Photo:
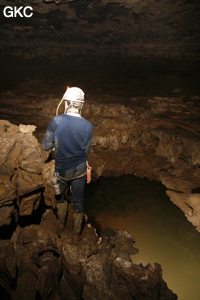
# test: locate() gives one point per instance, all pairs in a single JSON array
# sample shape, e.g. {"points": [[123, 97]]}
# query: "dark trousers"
{"points": [[76, 179]]}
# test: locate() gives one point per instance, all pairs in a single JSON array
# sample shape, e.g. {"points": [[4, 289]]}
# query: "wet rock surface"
{"points": [[21, 171], [40, 263]]}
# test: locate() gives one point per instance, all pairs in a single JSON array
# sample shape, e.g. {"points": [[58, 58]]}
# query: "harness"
{"points": [[87, 173], [69, 179]]}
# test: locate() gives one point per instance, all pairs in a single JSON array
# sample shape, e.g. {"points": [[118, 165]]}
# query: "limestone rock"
{"points": [[27, 128], [189, 204], [39, 255], [43, 264], [21, 172]]}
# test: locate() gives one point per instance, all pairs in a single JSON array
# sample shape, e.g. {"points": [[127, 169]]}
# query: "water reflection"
{"points": [[161, 230]]}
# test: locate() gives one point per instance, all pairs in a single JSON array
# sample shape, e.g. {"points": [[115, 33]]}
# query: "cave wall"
{"points": [[147, 28], [155, 142]]}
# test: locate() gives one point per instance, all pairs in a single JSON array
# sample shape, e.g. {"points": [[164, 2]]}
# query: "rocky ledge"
{"points": [[38, 263]]}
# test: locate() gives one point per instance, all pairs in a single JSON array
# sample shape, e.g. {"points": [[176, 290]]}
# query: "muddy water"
{"points": [[162, 232]]}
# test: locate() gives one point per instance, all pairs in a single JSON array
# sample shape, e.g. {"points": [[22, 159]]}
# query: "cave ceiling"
{"points": [[164, 28]]}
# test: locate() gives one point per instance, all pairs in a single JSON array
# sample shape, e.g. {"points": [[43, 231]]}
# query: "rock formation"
{"points": [[153, 137], [37, 264], [39, 261], [150, 138]]}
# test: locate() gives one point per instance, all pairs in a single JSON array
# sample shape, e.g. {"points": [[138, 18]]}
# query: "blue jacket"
{"points": [[71, 137]]}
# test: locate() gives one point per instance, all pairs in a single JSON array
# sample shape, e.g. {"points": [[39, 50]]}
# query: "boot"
{"points": [[62, 213], [78, 219]]}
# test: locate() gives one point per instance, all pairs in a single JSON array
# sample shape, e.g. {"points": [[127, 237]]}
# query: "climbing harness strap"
{"points": [[68, 179], [57, 177]]}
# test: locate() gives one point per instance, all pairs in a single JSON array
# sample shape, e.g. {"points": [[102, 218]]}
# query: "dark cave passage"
{"points": [[161, 231], [102, 78]]}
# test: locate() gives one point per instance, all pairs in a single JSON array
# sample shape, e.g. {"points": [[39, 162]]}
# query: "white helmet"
{"points": [[74, 95]]}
